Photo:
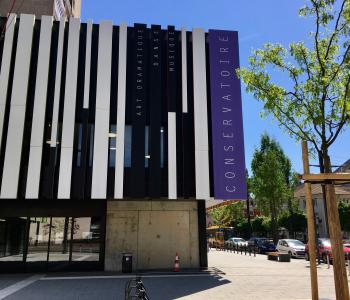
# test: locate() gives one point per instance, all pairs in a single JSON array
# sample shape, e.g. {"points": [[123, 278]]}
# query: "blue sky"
{"points": [[257, 22]]}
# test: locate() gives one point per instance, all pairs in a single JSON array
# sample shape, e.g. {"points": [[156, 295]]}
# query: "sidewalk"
{"points": [[230, 276]]}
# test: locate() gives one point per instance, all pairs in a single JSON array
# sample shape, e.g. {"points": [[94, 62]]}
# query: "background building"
{"points": [[107, 145], [342, 194], [56, 8]]}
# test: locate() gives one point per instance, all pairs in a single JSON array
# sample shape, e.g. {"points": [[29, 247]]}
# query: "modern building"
{"points": [[56, 8], [110, 139]]}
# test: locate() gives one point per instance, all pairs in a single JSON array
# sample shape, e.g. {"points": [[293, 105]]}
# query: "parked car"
{"points": [[236, 241], [294, 247], [262, 244], [324, 247]]}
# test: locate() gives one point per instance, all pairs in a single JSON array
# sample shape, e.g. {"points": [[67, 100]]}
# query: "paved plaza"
{"points": [[230, 276]]}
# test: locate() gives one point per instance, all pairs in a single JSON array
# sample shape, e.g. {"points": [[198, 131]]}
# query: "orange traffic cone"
{"points": [[177, 263]]}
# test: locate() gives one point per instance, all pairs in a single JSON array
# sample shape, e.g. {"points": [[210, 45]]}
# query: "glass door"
{"points": [[60, 245], [38, 240]]}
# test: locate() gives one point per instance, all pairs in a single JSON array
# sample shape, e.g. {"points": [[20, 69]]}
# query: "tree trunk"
{"points": [[339, 270], [322, 170]]}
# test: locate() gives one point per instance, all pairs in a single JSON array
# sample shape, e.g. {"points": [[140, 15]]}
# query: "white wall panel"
{"points": [[13, 151], [87, 64], [184, 69], [5, 68], [56, 101], [172, 179], [38, 124], [119, 161], [200, 115], [65, 173], [103, 92]]}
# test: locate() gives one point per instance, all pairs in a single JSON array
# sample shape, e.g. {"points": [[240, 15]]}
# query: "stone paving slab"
{"points": [[232, 276]]}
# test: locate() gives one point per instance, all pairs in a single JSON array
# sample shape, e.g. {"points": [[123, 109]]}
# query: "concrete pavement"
{"points": [[231, 276]]}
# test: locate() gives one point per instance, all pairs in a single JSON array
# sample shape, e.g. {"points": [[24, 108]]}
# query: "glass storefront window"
{"points": [[12, 235], [86, 239], [38, 240], [60, 237], [50, 239]]}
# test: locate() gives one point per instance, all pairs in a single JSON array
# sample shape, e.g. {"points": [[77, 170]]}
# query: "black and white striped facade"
{"points": [[96, 111]]}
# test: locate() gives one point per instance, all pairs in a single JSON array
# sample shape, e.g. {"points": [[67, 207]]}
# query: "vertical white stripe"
{"points": [[56, 101], [87, 64], [184, 69], [172, 179], [103, 92], [65, 174], [5, 68], [200, 115], [13, 152], [119, 160], [38, 124]]}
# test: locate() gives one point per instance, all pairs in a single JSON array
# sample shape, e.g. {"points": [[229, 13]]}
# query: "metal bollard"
{"points": [[241, 249], [328, 263], [349, 262], [250, 251], [254, 251], [245, 250]]}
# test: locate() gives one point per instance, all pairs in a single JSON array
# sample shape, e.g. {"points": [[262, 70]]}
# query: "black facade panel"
{"points": [[202, 234], [81, 124], [48, 154], [210, 152], [155, 108], [172, 68], [113, 113], [164, 116], [188, 130], [49, 184], [139, 104], [179, 120], [91, 111]]}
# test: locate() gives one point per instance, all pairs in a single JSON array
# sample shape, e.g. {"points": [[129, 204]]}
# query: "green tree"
{"points": [[315, 105], [257, 226], [219, 217], [344, 215], [294, 221], [261, 226], [235, 210], [269, 183], [227, 215], [243, 228]]}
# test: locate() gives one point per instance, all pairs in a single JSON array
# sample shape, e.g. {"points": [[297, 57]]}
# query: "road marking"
{"points": [[18, 286], [126, 276]]}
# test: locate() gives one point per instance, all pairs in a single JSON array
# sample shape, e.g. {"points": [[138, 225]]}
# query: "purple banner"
{"points": [[226, 117]]}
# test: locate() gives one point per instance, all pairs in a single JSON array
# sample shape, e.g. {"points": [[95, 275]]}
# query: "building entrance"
{"points": [[50, 243]]}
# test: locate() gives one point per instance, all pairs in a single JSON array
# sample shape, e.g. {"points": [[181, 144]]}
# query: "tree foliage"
{"points": [[315, 104], [294, 220], [344, 215], [271, 171], [262, 226], [227, 215], [243, 228]]}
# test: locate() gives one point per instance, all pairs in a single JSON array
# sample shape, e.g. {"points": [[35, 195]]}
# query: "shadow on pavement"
{"points": [[158, 288]]}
